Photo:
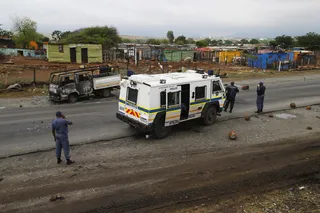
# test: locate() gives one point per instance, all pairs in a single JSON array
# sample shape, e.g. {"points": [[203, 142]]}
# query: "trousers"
{"points": [[260, 101], [226, 105], [62, 142]]}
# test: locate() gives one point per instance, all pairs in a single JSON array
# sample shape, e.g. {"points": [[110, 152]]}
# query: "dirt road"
{"points": [[194, 170]]}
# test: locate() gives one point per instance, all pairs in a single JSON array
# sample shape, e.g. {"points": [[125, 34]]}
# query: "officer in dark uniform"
{"points": [[232, 91], [60, 134]]}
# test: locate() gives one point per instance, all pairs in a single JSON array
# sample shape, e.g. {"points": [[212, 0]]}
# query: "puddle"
{"points": [[285, 116]]}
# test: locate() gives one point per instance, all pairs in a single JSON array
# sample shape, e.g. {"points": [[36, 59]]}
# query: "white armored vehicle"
{"points": [[154, 103]]}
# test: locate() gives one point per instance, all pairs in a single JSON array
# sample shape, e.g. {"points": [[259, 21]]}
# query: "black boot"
{"points": [[69, 162], [59, 160]]}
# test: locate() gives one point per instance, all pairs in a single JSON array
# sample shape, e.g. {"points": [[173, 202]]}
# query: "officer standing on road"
{"points": [[261, 89], [232, 91], [60, 134]]}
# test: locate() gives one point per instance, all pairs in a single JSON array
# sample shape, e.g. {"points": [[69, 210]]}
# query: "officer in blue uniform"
{"points": [[60, 134]]}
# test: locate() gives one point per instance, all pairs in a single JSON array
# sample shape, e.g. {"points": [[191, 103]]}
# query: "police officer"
{"points": [[232, 91], [60, 135], [261, 89]]}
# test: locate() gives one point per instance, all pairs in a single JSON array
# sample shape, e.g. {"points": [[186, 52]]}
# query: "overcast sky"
{"points": [[241, 18]]}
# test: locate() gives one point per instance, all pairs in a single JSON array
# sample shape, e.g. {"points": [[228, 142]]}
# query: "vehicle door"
{"points": [[173, 105], [218, 92], [84, 83], [67, 84]]}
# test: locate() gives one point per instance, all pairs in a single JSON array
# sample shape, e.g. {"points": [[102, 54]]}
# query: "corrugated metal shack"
{"points": [[271, 60], [23, 52]]}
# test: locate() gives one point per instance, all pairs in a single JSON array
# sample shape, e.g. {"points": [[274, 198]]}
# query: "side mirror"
{"points": [[193, 95]]}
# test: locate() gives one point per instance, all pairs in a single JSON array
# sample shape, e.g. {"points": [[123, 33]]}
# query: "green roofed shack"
{"points": [[75, 53]]}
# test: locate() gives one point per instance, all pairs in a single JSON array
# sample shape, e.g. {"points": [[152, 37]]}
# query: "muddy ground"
{"points": [[22, 70], [273, 166]]}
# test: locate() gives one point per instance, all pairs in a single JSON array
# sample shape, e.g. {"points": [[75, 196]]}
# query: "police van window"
{"points": [[132, 95], [200, 92], [173, 99], [216, 86], [163, 99]]}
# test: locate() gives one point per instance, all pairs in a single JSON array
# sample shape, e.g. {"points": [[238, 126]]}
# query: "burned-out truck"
{"points": [[73, 84]]}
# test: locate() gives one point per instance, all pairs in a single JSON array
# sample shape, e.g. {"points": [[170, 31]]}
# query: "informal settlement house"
{"points": [[75, 53], [271, 60]]}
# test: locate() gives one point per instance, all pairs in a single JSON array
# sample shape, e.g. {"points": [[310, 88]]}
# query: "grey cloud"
{"points": [[188, 17]]}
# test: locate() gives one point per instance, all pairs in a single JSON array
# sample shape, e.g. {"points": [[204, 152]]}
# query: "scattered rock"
{"points": [[318, 117], [20, 106], [245, 87], [56, 197], [293, 105], [195, 208], [309, 128], [308, 108], [15, 87], [302, 188], [232, 135], [271, 116], [1, 179], [247, 118], [42, 122]]}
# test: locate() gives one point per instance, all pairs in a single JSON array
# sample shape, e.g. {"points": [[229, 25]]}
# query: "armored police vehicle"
{"points": [[154, 103]]}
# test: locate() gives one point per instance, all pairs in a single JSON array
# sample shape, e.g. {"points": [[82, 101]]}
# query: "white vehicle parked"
{"points": [[154, 103]]}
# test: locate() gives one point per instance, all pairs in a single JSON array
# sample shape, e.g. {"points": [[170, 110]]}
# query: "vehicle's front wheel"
{"points": [[72, 98], [159, 129], [210, 116]]}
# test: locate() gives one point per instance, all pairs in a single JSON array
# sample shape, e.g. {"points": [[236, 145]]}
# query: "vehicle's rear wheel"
{"points": [[210, 116], [106, 93], [72, 98], [159, 129]]}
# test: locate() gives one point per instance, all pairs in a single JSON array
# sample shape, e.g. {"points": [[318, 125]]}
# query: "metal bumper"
{"points": [[57, 97], [134, 123]]}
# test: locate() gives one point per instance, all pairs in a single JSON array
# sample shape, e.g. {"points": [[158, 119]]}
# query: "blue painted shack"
{"points": [[23, 52], [271, 60]]}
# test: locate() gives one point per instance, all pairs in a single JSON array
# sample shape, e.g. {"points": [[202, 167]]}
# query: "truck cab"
{"points": [[154, 103]]}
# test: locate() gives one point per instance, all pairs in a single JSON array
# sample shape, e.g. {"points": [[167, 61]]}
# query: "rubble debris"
{"points": [[271, 116], [15, 87], [308, 108], [56, 197], [247, 118], [1, 179], [318, 117], [293, 105], [309, 128], [245, 87], [232, 135]]}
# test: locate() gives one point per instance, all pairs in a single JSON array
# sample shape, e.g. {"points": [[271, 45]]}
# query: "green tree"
{"points": [[164, 41], [56, 35], [181, 40], [228, 42], [25, 30], [284, 41], [65, 34], [244, 41], [170, 36], [273, 43], [107, 36], [45, 39], [254, 41], [310, 40], [202, 43], [153, 41], [214, 43], [190, 41]]}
